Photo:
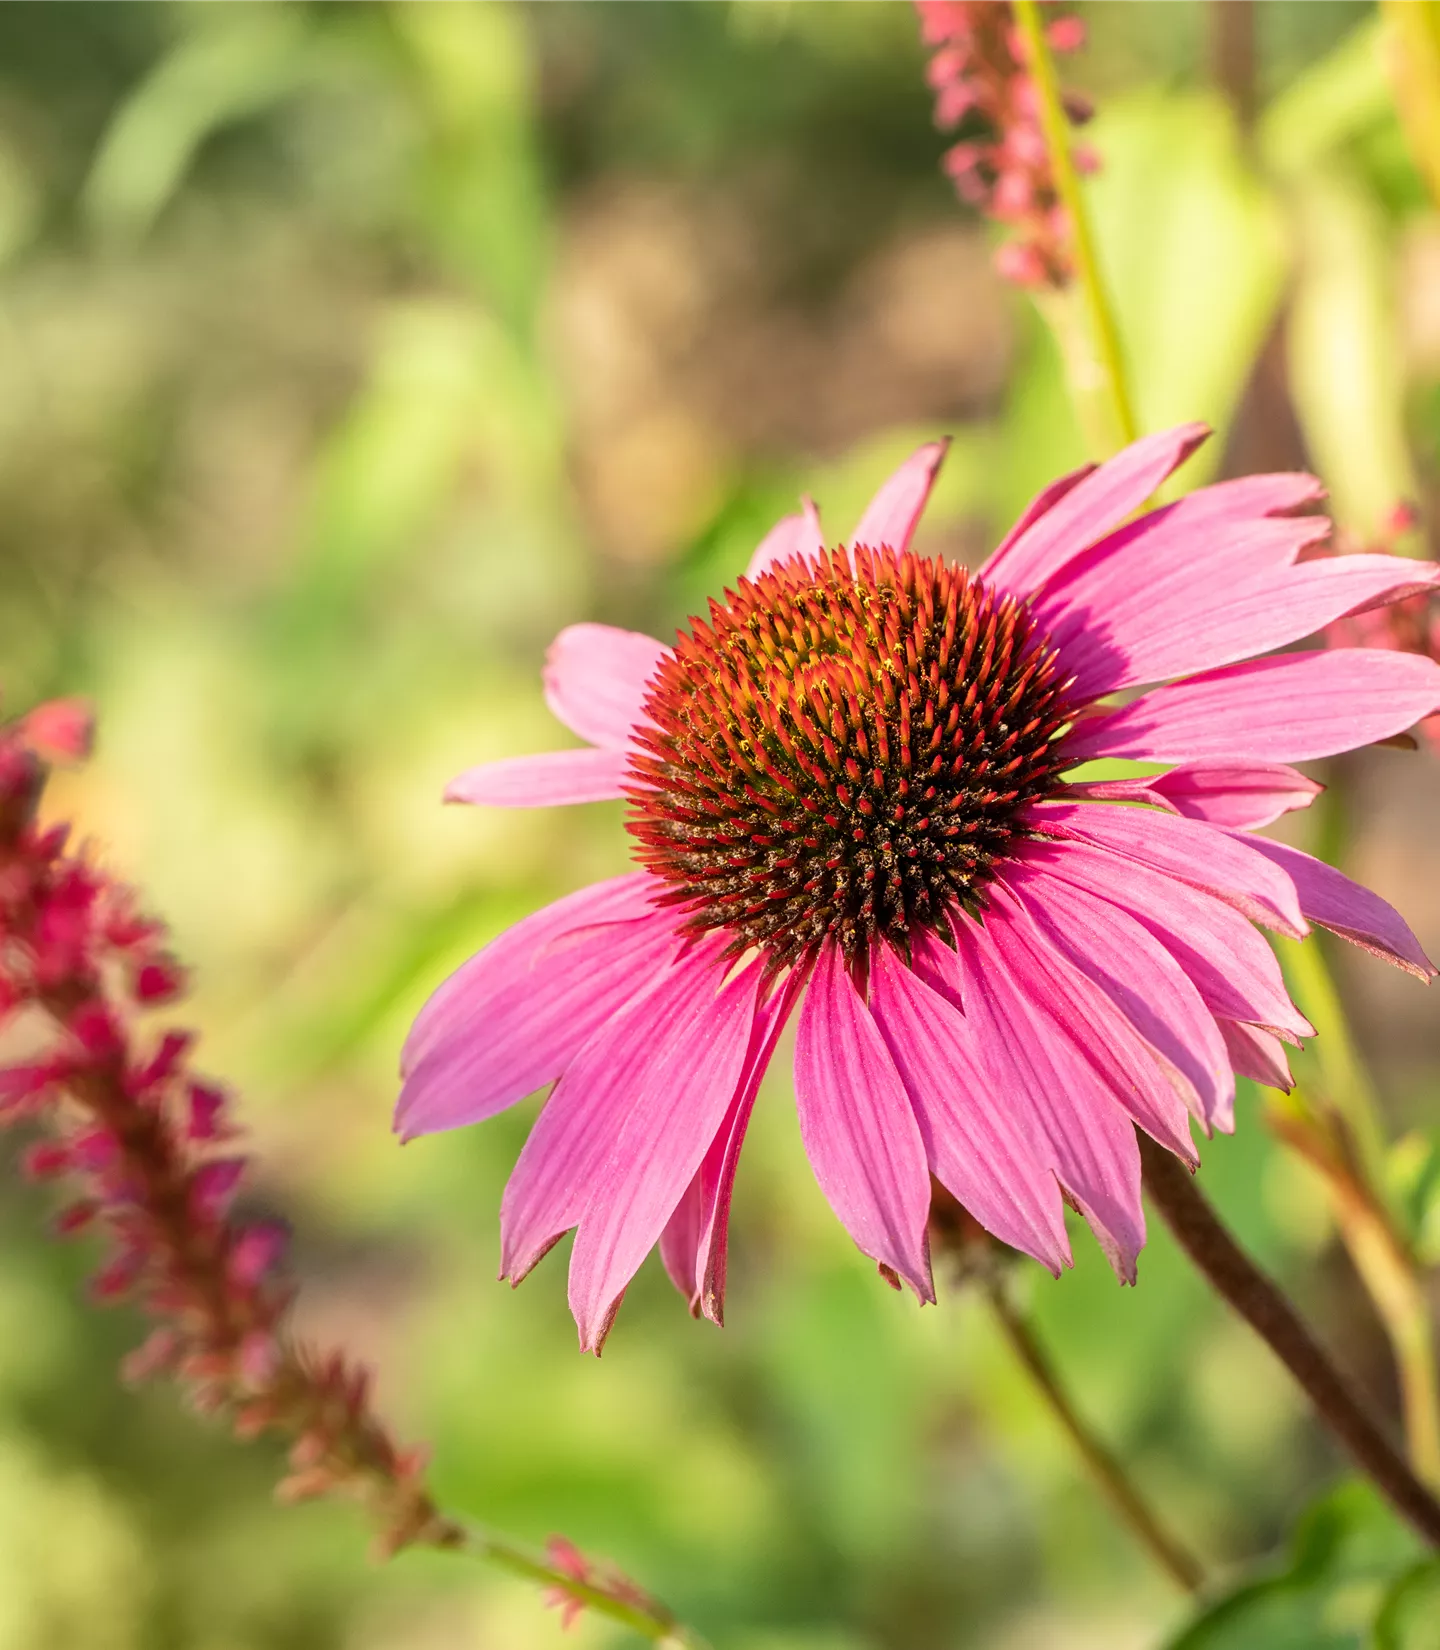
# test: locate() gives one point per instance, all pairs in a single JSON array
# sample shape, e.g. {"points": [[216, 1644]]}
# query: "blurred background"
{"points": [[349, 351]]}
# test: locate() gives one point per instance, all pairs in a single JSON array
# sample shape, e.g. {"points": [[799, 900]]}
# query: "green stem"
{"points": [[1092, 353], [1413, 50], [1183, 1569]]}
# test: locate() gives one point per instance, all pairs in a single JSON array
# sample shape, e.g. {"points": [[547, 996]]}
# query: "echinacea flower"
{"points": [[848, 792]]}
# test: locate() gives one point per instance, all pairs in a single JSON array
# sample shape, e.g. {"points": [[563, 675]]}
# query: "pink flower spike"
{"points": [[848, 797], [61, 730]]}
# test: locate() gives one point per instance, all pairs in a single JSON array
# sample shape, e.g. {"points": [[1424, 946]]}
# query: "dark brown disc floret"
{"points": [[842, 750]]}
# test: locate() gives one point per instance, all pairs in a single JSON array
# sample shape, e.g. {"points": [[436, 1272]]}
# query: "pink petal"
{"points": [[453, 1005], [792, 536], [975, 1146], [858, 1128], [544, 781], [1256, 1054], [576, 1131], [1089, 510], [596, 678], [1073, 1123], [1083, 1016], [1238, 794], [1186, 849], [679, 1103], [1141, 978], [1347, 908], [1231, 503], [892, 515], [1041, 505], [1286, 709], [695, 1242], [1244, 795], [1226, 960], [511, 1022], [1127, 620]]}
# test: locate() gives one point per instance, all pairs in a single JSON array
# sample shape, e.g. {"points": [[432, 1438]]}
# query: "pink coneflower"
{"points": [[848, 794], [1001, 165]]}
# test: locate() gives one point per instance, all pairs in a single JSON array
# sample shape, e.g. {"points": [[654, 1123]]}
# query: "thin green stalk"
{"points": [[647, 1618], [1093, 358], [1413, 51]]}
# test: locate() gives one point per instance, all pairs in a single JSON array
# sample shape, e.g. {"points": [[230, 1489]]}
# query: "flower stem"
{"points": [[1093, 359], [1255, 1297], [1384, 1261], [1178, 1564], [1413, 52]]}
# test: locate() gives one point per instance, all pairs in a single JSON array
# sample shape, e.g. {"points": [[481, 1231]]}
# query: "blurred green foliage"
{"points": [[351, 350]]}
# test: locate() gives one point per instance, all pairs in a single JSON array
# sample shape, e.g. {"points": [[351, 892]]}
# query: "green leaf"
{"points": [[1346, 1557]]}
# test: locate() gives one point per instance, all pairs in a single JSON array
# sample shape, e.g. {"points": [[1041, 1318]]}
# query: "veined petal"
{"points": [[1075, 1126], [1188, 850], [1089, 510], [695, 1242], [1080, 1014], [1126, 621], [545, 781], [1140, 977], [510, 1021], [1285, 709], [975, 1146], [791, 536], [1226, 960], [687, 1085], [1347, 908], [858, 1127], [1257, 1054], [1243, 795], [577, 1128], [1041, 505], [596, 678], [892, 515]]}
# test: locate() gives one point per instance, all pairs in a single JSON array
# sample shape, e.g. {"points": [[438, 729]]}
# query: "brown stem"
{"points": [[1178, 1564], [1234, 1275]]}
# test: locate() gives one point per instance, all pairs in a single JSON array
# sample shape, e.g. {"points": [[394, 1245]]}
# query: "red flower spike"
{"points": [[1002, 165]]}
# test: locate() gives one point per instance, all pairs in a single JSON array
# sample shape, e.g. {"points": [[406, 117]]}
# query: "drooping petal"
{"points": [[695, 1242], [1124, 621], [1243, 795], [1089, 510], [513, 1017], [975, 1146], [516, 950], [1347, 908], [791, 536], [678, 1105], [1145, 983], [1188, 850], [858, 1127], [891, 516], [1085, 1018], [1257, 1054], [1226, 960], [545, 781], [1074, 1125], [579, 1124], [1290, 708], [596, 678], [1232, 503]]}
